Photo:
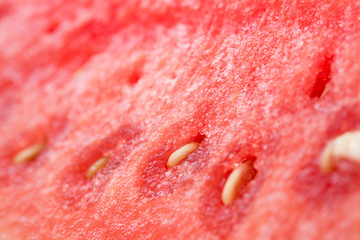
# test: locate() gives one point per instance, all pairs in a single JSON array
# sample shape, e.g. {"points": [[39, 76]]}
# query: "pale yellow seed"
{"points": [[96, 166], [180, 154], [346, 146], [29, 153], [237, 179], [326, 90]]}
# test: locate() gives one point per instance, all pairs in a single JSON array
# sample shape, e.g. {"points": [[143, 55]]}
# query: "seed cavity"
{"points": [[96, 166], [237, 179], [320, 87], [346, 146], [28, 154], [180, 154]]}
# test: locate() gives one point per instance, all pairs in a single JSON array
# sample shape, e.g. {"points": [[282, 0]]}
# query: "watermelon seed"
{"points": [[326, 90], [29, 153], [346, 146], [180, 154], [96, 166], [237, 179]]}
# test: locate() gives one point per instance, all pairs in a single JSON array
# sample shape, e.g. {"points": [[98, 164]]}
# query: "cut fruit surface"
{"points": [[152, 111]]}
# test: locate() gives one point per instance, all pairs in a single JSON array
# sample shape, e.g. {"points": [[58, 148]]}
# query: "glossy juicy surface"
{"points": [[268, 81]]}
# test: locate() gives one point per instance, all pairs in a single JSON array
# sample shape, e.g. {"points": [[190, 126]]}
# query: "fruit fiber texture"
{"points": [[270, 81]]}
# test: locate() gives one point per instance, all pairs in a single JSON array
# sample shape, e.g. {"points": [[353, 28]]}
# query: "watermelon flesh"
{"points": [[271, 82]]}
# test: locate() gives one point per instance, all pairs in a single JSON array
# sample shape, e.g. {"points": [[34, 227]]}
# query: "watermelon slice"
{"points": [[179, 119]]}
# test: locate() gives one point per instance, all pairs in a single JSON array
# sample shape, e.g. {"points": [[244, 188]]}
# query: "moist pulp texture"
{"points": [[268, 81]]}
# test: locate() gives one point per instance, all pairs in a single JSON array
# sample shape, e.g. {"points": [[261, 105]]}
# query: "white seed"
{"points": [[28, 153], [96, 166], [237, 179], [346, 146], [180, 154]]}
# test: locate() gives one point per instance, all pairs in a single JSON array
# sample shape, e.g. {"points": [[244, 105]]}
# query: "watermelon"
{"points": [[179, 119]]}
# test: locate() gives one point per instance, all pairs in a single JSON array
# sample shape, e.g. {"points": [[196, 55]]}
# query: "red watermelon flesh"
{"points": [[268, 81]]}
